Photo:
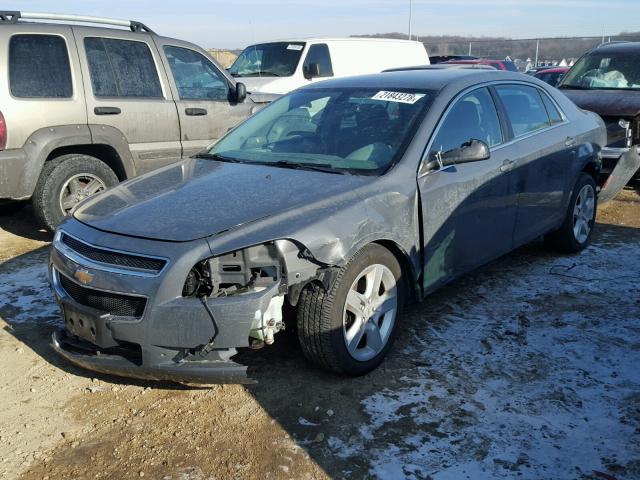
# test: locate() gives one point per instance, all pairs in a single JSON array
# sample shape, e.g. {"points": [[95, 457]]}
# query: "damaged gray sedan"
{"points": [[340, 202]]}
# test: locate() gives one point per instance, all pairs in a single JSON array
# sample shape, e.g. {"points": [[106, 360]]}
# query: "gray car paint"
{"points": [[201, 208]]}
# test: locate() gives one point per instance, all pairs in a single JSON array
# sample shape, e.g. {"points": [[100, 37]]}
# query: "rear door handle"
{"points": [[107, 111], [570, 142], [507, 165], [195, 112]]}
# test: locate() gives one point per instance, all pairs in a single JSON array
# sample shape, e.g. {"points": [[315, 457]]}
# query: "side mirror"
{"points": [[241, 92], [472, 151], [312, 71]]}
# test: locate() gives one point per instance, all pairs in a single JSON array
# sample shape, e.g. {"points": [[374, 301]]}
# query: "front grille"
{"points": [[107, 302], [113, 258]]}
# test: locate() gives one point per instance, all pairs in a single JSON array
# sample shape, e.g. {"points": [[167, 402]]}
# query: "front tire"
{"points": [[575, 233], [64, 182], [350, 328]]}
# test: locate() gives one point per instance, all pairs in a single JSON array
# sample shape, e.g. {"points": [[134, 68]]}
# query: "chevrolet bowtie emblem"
{"points": [[83, 276]]}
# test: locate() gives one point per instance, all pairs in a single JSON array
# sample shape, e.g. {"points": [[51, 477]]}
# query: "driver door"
{"points": [[468, 210]]}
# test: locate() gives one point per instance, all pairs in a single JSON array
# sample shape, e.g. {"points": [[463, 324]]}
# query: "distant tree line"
{"points": [[500, 47]]}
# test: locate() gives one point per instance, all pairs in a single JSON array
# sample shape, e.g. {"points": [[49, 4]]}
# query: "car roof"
{"points": [[618, 47], [421, 79], [335, 39]]}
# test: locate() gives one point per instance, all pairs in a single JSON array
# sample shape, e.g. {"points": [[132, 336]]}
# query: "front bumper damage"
{"points": [[169, 337], [620, 164]]}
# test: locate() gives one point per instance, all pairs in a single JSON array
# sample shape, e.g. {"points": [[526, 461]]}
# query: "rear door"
{"points": [[542, 150], [204, 96], [468, 210], [127, 90]]}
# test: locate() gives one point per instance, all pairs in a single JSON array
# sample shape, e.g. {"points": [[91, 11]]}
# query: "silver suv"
{"points": [[83, 108]]}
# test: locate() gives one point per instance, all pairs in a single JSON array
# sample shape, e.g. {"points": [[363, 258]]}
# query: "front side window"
{"points": [[473, 117], [357, 130], [605, 71], [196, 77], [278, 59], [524, 108], [319, 54], [122, 68], [39, 67]]}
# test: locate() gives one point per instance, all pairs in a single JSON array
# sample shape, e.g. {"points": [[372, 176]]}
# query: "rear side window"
{"points": [[524, 108], [122, 68], [552, 110], [39, 67], [319, 53], [195, 76]]}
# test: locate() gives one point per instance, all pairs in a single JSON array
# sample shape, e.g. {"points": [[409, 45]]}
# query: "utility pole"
{"points": [[537, 48], [410, 13]]}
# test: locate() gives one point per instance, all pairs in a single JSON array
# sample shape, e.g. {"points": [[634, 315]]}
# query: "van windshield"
{"points": [[343, 130], [278, 59], [605, 71]]}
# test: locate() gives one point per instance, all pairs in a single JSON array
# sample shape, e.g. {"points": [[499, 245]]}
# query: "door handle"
{"points": [[195, 112], [507, 165], [107, 111], [570, 142]]}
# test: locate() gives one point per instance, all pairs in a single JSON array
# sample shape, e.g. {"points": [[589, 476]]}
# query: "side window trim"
{"points": [[505, 124], [172, 79], [72, 77]]}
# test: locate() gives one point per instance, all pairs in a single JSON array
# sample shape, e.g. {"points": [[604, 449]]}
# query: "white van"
{"points": [[282, 66]]}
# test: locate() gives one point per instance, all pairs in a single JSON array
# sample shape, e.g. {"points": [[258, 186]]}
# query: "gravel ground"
{"points": [[526, 368]]}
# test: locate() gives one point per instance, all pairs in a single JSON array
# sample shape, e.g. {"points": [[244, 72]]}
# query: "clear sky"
{"points": [[237, 23]]}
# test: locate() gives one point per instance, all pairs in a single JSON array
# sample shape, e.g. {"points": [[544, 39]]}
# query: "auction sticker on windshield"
{"points": [[401, 97], [293, 46]]}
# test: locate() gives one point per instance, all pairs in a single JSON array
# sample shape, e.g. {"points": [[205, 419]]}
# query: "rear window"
{"points": [[122, 68], [39, 67]]}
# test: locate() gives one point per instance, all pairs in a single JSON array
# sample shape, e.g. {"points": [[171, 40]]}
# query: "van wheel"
{"points": [[575, 233], [65, 181], [350, 328]]}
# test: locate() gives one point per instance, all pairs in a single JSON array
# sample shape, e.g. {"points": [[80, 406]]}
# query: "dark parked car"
{"points": [[341, 201], [552, 76], [497, 64], [606, 80]]}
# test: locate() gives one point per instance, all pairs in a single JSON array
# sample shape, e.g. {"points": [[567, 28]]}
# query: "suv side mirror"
{"points": [[312, 71], [472, 151], [241, 92]]}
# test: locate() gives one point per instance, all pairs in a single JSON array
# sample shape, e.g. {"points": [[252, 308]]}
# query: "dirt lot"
{"points": [[527, 368]]}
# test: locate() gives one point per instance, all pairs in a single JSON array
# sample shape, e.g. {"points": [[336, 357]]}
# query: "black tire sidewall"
{"points": [[370, 255], [53, 177]]}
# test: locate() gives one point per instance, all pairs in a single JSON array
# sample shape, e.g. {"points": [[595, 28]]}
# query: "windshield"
{"points": [[355, 130], [268, 59], [599, 70]]}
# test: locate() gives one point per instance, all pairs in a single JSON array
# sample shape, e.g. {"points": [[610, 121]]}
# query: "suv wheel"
{"points": [[575, 233], [350, 328], [65, 181]]}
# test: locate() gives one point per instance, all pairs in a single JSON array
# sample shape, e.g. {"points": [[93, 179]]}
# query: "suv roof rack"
{"points": [[611, 42], [14, 16]]}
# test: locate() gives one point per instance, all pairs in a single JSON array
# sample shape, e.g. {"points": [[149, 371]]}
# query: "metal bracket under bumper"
{"points": [[627, 165], [204, 372]]}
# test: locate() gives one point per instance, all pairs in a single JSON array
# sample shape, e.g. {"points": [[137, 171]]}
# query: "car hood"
{"points": [[606, 103], [197, 198]]}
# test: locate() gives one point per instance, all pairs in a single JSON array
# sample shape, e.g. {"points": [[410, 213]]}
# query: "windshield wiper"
{"points": [[215, 156], [317, 167], [574, 87], [260, 73]]}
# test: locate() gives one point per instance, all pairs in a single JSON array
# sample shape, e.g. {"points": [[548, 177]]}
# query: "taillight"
{"points": [[3, 132]]}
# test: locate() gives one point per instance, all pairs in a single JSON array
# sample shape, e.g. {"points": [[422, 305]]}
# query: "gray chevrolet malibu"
{"points": [[340, 203]]}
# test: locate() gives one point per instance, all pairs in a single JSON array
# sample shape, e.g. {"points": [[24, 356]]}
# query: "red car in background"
{"points": [[552, 75], [497, 64]]}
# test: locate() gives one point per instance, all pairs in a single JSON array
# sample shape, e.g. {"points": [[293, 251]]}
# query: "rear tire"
{"points": [[331, 335], [575, 233], [65, 181]]}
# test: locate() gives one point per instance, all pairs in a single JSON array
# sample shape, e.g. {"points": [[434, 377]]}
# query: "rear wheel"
{"points": [[64, 182], [350, 328], [575, 233]]}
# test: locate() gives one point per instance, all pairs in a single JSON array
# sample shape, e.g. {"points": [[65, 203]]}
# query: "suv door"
{"points": [[468, 211], [542, 158], [128, 95], [205, 97]]}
